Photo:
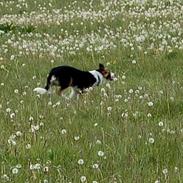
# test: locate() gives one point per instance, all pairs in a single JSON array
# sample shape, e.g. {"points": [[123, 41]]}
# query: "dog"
{"points": [[80, 81]]}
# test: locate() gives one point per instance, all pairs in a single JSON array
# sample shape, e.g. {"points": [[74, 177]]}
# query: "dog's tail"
{"points": [[40, 90], [47, 87]]}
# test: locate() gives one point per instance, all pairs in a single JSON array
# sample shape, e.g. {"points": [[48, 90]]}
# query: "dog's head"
{"points": [[105, 72]]}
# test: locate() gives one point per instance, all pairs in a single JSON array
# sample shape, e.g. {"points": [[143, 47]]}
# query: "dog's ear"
{"points": [[101, 67]]}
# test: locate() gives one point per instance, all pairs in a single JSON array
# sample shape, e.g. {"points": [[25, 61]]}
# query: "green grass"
{"points": [[118, 122]]}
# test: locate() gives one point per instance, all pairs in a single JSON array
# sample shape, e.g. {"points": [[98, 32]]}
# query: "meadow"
{"points": [[126, 131]]}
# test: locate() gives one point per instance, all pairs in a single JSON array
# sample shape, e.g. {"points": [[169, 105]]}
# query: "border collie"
{"points": [[80, 81]]}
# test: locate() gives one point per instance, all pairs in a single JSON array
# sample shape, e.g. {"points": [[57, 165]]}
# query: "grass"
{"points": [[129, 130]]}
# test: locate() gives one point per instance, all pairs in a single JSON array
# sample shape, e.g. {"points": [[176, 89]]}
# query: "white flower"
{"points": [[15, 170], [157, 181], [83, 179], [80, 161], [12, 115], [151, 140], [19, 166], [76, 138], [165, 171], [49, 103], [134, 61], [150, 104], [100, 153], [8, 110], [98, 142], [130, 91], [18, 133], [109, 108], [63, 131], [94, 181], [37, 166], [149, 115], [95, 166], [28, 146], [160, 123], [16, 91]]}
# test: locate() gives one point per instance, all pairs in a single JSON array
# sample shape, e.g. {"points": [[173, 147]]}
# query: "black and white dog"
{"points": [[80, 81]]}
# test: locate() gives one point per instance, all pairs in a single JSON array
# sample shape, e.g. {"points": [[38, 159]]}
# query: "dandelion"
{"points": [[165, 171], [95, 166], [63, 131], [16, 91], [76, 138], [28, 146], [100, 153], [49, 103], [134, 61], [157, 181], [150, 104], [160, 123], [130, 91], [14, 170], [8, 110], [5, 177], [149, 115], [109, 108], [18, 133], [151, 140], [2, 84], [80, 161], [45, 181], [12, 115], [98, 142], [83, 178]]}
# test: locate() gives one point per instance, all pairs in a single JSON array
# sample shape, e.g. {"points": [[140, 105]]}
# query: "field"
{"points": [[126, 131]]}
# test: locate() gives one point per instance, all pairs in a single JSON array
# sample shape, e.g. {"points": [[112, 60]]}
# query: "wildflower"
{"points": [[12, 115], [63, 131], [151, 140], [18, 133], [100, 153], [149, 115], [150, 104], [80, 161], [8, 110], [134, 61], [95, 166], [98, 142], [130, 91], [83, 179], [76, 138], [109, 108], [157, 181], [165, 171], [28, 146], [160, 123], [16, 91], [15, 170]]}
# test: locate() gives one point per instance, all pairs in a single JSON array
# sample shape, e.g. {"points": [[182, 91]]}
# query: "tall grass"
{"points": [[129, 130]]}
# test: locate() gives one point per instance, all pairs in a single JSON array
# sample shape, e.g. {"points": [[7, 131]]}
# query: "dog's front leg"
{"points": [[74, 93]]}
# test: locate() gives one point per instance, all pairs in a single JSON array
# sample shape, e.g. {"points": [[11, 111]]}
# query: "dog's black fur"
{"points": [[66, 76]]}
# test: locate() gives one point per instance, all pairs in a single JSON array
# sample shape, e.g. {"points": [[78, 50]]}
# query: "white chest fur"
{"points": [[98, 76]]}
